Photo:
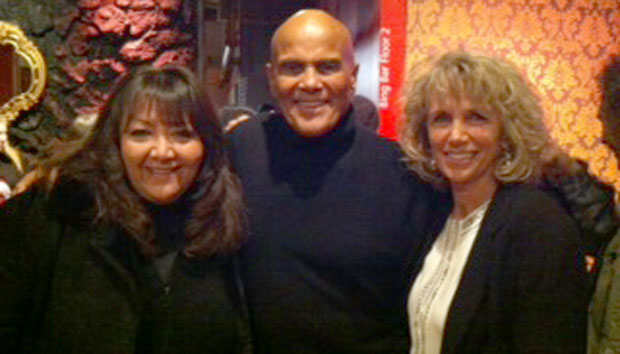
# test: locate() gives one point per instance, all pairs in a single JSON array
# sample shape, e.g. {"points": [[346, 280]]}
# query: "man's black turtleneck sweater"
{"points": [[334, 221]]}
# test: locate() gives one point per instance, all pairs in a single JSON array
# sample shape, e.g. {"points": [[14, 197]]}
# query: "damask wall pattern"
{"points": [[561, 45]]}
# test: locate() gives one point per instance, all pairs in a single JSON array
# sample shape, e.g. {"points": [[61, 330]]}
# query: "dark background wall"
{"points": [[259, 19]]}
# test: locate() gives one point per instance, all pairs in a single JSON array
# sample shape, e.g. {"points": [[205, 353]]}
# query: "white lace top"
{"points": [[432, 292]]}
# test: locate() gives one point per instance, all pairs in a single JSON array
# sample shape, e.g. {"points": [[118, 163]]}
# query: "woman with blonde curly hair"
{"points": [[503, 269]]}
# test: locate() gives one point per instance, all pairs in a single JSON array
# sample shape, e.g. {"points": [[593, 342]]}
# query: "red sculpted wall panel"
{"points": [[104, 38]]}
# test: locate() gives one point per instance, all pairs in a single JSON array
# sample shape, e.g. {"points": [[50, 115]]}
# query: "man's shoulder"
{"points": [[383, 156], [376, 146], [371, 138]]}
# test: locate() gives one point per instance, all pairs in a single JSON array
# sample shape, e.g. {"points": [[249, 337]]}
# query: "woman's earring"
{"points": [[507, 159], [506, 155], [432, 164]]}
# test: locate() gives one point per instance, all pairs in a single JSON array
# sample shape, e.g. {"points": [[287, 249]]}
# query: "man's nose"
{"points": [[310, 79]]}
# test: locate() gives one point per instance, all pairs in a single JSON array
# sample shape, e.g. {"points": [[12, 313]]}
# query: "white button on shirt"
{"points": [[434, 288]]}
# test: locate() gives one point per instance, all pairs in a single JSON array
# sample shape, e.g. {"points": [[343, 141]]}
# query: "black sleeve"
{"points": [[591, 203], [26, 250], [550, 288]]}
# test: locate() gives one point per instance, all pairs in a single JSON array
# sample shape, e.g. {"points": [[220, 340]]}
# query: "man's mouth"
{"points": [[310, 104], [310, 107]]}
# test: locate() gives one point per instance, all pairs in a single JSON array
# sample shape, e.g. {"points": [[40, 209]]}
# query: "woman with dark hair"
{"points": [[130, 252], [504, 270]]}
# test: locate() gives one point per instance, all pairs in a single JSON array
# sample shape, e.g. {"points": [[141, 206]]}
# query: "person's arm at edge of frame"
{"points": [[589, 200], [27, 245]]}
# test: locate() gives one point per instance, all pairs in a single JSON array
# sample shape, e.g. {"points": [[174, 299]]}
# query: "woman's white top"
{"points": [[432, 292]]}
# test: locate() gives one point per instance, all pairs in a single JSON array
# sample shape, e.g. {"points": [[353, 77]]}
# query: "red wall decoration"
{"points": [[392, 41], [104, 38]]}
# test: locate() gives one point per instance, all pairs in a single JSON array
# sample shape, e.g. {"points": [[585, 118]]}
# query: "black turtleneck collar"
{"points": [[304, 162], [343, 131], [169, 222]]}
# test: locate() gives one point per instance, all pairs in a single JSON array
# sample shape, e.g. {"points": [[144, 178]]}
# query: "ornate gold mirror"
{"points": [[22, 80]]}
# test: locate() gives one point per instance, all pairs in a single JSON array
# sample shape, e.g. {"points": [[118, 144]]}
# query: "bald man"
{"points": [[334, 215]]}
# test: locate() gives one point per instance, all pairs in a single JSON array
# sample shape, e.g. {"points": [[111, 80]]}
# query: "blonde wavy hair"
{"points": [[489, 83]]}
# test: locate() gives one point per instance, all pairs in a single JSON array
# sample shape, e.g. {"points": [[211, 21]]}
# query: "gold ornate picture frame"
{"points": [[11, 34]]}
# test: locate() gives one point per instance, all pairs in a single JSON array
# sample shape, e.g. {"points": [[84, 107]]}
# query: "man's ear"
{"points": [[270, 78], [353, 78]]}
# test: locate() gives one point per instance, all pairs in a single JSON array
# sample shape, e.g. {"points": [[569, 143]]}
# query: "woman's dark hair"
{"points": [[217, 219]]}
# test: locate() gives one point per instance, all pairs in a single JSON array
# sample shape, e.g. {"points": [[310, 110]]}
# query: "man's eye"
{"points": [[291, 68], [329, 67]]}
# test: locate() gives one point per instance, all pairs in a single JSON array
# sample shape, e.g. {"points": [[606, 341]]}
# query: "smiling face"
{"points": [[161, 161], [312, 73], [465, 142]]}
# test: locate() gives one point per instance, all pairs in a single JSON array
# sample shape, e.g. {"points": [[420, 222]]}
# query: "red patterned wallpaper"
{"points": [[562, 45]]}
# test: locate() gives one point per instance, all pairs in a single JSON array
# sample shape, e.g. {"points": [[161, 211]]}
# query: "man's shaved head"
{"points": [[312, 71], [312, 22]]}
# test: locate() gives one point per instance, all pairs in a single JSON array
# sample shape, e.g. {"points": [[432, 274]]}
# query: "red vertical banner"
{"points": [[393, 43]]}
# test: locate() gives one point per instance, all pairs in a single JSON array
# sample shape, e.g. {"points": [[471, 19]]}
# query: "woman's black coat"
{"points": [[69, 286], [523, 289]]}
